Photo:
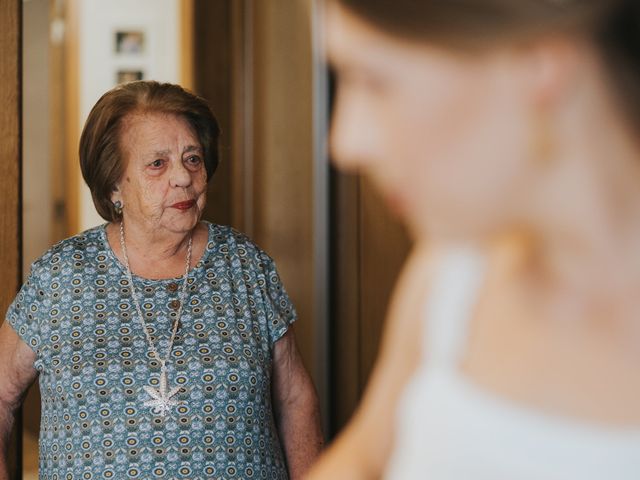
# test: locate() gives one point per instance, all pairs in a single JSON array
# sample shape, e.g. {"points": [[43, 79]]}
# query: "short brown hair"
{"points": [[101, 157]]}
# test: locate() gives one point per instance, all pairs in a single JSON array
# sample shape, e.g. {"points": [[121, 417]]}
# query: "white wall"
{"points": [[99, 20]]}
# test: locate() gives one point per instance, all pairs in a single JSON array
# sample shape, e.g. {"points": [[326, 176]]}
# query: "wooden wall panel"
{"points": [[10, 150], [283, 154], [60, 227], [212, 79], [345, 342], [368, 249], [187, 38], [241, 158], [384, 246], [10, 161]]}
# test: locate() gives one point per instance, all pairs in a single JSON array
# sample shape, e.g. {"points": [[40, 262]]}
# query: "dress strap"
{"points": [[458, 277]]}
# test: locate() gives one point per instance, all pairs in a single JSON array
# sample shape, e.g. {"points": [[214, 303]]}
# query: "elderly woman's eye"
{"points": [[194, 160], [157, 163]]}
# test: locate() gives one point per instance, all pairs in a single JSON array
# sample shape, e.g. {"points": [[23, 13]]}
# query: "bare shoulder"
{"points": [[404, 323], [402, 345]]}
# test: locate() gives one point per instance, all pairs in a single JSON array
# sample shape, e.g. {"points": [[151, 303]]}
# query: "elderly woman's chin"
{"points": [[187, 221], [181, 220], [165, 218]]}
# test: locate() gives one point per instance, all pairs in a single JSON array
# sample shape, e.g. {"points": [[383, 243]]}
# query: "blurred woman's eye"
{"points": [[158, 163], [374, 84], [361, 79]]}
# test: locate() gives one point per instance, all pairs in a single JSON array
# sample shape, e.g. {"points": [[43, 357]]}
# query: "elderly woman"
{"points": [[163, 343]]}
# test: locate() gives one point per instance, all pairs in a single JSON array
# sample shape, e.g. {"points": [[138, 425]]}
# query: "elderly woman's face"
{"points": [[165, 181]]}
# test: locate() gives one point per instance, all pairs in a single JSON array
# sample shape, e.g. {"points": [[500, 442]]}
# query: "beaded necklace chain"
{"points": [[161, 399]]}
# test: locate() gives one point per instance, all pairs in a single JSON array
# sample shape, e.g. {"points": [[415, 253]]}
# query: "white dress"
{"points": [[450, 429]]}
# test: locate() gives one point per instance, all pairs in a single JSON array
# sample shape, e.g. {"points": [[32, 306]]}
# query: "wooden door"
{"points": [[10, 171]]}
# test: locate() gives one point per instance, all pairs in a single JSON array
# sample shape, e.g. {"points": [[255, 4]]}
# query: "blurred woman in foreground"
{"points": [[506, 134]]}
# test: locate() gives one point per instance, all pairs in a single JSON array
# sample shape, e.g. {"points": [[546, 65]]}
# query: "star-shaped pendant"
{"points": [[161, 399]]}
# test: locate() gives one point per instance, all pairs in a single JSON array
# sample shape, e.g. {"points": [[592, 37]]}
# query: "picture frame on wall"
{"points": [[124, 76], [129, 42]]}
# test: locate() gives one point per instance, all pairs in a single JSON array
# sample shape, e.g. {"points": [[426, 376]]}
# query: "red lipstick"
{"points": [[184, 205]]}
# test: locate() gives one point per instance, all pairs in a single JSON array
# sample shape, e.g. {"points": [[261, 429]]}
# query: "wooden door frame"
{"points": [[11, 172]]}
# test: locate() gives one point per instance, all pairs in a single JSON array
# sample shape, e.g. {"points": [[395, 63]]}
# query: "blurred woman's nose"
{"points": [[353, 134], [179, 175]]}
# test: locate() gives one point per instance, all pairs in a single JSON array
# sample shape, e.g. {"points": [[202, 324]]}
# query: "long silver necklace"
{"points": [[161, 399]]}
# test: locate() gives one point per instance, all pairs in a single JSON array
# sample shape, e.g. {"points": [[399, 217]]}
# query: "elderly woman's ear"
{"points": [[116, 200], [115, 191]]}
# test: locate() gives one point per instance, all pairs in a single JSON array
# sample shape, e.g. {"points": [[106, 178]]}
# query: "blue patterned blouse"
{"points": [[76, 312]]}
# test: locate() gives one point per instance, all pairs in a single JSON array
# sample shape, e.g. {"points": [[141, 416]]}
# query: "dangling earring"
{"points": [[117, 206]]}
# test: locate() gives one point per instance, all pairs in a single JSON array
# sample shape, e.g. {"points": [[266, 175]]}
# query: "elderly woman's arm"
{"points": [[295, 407], [16, 374]]}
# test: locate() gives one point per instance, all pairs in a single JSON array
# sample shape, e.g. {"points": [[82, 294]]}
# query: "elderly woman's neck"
{"points": [[155, 253]]}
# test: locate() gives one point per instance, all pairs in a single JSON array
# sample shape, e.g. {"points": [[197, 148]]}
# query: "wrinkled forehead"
{"points": [[145, 117], [156, 131], [150, 122]]}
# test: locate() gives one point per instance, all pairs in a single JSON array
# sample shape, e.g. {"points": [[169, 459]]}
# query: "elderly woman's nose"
{"points": [[180, 175]]}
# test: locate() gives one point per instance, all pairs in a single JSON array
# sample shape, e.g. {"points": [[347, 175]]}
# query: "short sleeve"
{"points": [[280, 311], [26, 311]]}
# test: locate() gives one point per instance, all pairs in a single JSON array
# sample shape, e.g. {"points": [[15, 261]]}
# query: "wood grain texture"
{"points": [[59, 210], [345, 287], [368, 248], [10, 171], [187, 38], [283, 155], [212, 81], [241, 158], [10, 151], [384, 246]]}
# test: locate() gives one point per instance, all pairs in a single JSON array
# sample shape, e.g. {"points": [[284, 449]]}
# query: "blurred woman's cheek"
{"points": [[355, 131]]}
